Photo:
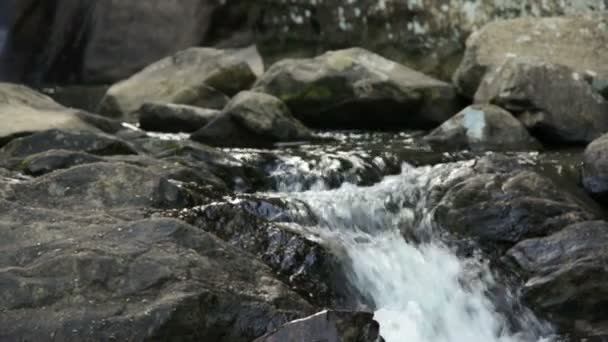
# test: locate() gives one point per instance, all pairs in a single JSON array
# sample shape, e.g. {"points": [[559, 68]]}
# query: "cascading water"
{"points": [[421, 292]]}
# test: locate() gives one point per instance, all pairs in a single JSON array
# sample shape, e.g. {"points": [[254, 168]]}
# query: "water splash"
{"points": [[421, 292]]}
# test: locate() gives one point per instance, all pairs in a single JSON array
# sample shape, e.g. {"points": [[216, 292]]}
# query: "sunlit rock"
{"points": [[578, 42], [355, 88]]}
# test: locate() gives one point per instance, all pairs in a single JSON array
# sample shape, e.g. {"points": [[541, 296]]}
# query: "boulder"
{"points": [[355, 88], [100, 186], [154, 279], [24, 111], [328, 326], [52, 160], [566, 276], [553, 101], [258, 225], [595, 168], [174, 118], [253, 119], [482, 127], [579, 42], [94, 143], [195, 76], [505, 208], [84, 41]]}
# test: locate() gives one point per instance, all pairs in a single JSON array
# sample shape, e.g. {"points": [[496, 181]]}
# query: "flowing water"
{"points": [[419, 288]]}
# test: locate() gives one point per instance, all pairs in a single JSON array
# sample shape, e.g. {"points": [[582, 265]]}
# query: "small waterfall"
{"points": [[421, 292]]}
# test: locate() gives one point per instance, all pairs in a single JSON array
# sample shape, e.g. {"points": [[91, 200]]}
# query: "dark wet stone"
{"points": [[566, 276], [328, 326], [506, 208], [53, 160], [145, 280], [93, 143]]}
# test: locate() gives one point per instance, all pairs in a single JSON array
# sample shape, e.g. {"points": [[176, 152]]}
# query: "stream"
{"points": [[368, 192]]}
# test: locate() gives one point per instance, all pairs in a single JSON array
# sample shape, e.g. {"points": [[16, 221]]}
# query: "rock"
{"points": [[554, 102], [239, 175], [195, 76], [594, 171], [16, 94], [84, 41], [101, 42], [506, 208], [94, 143], [158, 279], [566, 275], [174, 118], [329, 326], [578, 42], [85, 97], [24, 111], [258, 225], [52, 160], [355, 88], [253, 119], [99, 186], [482, 127]]}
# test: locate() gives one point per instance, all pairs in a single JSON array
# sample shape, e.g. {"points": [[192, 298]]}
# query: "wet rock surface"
{"points": [[566, 275], [505, 208], [330, 326], [355, 88], [595, 168]]}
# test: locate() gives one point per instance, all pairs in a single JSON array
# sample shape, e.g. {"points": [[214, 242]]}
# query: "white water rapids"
{"points": [[420, 292]]}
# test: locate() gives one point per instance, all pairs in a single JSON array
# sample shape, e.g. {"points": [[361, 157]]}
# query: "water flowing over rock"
{"points": [[253, 119], [355, 88], [195, 76], [579, 42], [416, 290], [482, 127], [553, 101]]}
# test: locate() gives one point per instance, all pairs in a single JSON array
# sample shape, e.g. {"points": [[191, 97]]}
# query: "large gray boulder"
{"points": [[482, 127], [578, 41], [595, 168], [357, 88], [554, 102], [565, 276], [195, 76], [253, 119]]}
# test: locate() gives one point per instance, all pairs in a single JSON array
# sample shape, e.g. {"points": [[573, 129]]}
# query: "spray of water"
{"points": [[421, 292]]}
